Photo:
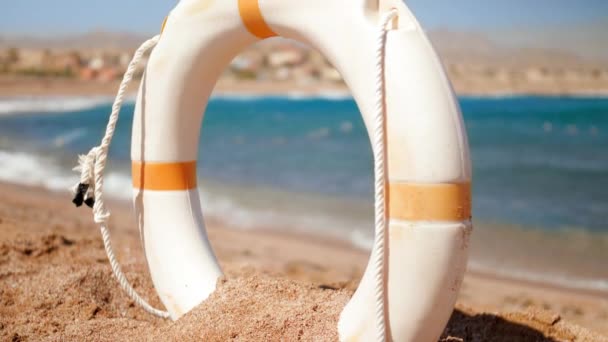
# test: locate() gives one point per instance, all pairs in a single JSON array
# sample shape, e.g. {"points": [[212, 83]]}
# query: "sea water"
{"points": [[540, 171]]}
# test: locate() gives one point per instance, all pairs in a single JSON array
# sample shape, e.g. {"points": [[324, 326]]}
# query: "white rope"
{"points": [[91, 168], [379, 149]]}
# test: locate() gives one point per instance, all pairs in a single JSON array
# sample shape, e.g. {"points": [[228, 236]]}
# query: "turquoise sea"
{"points": [[540, 165]]}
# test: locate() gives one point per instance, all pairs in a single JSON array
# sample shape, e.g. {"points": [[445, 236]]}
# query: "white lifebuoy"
{"points": [[429, 170]]}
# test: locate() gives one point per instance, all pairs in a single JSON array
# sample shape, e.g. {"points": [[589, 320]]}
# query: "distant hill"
{"points": [[589, 40], [474, 48]]}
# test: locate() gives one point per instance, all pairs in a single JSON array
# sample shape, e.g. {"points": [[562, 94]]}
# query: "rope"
{"points": [[90, 189], [379, 149]]}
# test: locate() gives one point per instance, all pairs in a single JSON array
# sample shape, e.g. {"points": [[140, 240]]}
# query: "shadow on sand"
{"points": [[488, 327]]}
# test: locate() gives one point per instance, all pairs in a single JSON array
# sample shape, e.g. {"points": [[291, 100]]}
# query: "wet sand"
{"points": [[56, 284]]}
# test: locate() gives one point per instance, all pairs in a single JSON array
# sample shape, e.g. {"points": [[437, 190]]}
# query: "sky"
{"points": [[52, 17]]}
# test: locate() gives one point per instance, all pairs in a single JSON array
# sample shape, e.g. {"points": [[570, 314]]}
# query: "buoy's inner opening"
{"points": [[288, 161]]}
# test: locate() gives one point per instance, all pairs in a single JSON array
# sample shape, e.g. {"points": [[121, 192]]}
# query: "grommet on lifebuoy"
{"points": [[427, 198]]}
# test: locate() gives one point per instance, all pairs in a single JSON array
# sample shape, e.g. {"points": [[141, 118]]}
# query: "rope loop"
{"points": [[379, 149], [90, 188]]}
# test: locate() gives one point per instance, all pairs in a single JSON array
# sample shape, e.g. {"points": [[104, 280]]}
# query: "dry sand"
{"points": [[464, 84], [56, 284], [12, 86]]}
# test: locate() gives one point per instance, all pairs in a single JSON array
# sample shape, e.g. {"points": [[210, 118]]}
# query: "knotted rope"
{"points": [[90, 188]]}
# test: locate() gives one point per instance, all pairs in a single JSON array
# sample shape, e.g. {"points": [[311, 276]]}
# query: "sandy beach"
{"points": [[56, 284], [469, 85]]}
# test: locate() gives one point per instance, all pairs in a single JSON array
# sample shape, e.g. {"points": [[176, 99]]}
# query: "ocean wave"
{"points": [[28, 169], [36, 170], [335, 95], [56, 104], [49, 104], [69, 137], [297, 218], [361, 240], [293, 95], [566, 281], [319, 133], [53, 104], [510, 95]]}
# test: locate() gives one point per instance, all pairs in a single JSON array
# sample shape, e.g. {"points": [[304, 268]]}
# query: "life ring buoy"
{"points": [[429, 197]]}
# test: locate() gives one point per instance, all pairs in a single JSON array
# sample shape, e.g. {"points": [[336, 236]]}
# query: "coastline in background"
{"points": [[479, 63]]}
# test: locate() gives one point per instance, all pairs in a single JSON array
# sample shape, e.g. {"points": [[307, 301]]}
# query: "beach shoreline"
{"points": [[13, 86], [35, 221]]}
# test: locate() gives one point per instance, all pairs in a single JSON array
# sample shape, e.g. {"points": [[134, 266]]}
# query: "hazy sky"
{"points": [[48, 17]]}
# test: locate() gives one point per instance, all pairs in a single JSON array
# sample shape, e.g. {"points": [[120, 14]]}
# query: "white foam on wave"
{"points": [[58, 104], [35, 170], [510, 95], [333, 95], [235, 214], [336, 95], [53, 104], [561, 280], [69, 136], [28, 169], [319, 133], [67, 104], [362, 240]]}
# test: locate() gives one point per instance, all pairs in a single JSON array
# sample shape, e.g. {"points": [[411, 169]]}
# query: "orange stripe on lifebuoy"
{"points": [[429, 202], [253, 19], [164, 176], [162, 27]]}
